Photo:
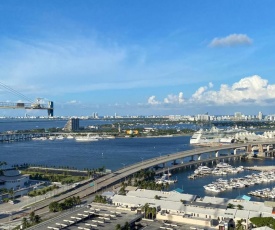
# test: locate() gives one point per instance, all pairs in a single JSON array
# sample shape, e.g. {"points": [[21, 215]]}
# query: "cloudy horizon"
{"points": [[133, 60]]}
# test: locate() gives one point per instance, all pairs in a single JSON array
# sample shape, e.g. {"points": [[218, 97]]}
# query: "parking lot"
{"points": [[91, 217]]}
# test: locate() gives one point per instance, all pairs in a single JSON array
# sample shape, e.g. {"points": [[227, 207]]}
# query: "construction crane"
{"points": [[22, 105]]}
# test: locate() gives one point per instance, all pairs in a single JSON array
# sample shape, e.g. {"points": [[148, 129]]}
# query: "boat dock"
{"points": [[261, 168]]}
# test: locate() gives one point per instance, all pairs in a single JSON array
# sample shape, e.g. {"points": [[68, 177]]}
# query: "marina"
{"points": [[220, 169], [221, 185], [264, 193], [165, 179]]}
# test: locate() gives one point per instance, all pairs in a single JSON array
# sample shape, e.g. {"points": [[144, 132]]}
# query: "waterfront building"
{"points": [[191, 209], [12, 179], [72, 125]]}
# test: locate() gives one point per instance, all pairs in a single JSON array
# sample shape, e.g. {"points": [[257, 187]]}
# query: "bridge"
{"points": [[179, 160]]}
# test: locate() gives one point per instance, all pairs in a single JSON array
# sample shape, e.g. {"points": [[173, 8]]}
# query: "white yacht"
{"points": [[87, 138], [202, 170]]}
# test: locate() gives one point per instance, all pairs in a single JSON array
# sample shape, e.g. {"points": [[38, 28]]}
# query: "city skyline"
{"points": [[139, 57]]}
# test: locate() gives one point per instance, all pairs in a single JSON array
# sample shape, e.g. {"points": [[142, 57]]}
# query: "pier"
{"points": [[20, 136], [261, 168]]}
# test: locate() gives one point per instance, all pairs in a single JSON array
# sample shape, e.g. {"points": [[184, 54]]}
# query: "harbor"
{"points": [[221, 185], [220, 169], [264, 193]]}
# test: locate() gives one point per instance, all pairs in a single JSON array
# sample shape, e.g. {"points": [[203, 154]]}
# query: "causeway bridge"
{"points": [[195, 156]]}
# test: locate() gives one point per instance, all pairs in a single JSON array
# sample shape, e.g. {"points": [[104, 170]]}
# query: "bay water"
{"points": [[114, 154]]}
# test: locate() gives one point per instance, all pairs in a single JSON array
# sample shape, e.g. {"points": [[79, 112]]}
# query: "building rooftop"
{"points": [[252, 205], [168, 196], [12, 178]]}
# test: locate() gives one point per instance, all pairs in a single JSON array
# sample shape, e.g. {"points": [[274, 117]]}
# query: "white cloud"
{"points": [[198, 94], [249, 90], [231, 40], [152, 101], [252, 90], [174, 99], [73, 102], [181, 99]]}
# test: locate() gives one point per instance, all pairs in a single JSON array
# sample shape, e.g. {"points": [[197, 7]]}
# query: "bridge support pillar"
{"points": [[261, 149], [249, 149], [217, 153], [199, 157], [235, 151]]}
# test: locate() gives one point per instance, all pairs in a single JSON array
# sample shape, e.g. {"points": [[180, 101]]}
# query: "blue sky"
{"points": [[139, 57]]}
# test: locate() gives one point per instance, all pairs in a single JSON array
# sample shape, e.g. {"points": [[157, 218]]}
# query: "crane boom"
{"points": [[19, 105], [36, 105]]}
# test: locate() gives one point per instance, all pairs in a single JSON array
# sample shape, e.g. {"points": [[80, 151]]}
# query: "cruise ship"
{"points": [[221, 136]]}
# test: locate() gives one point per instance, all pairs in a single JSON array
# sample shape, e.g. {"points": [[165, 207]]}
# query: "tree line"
{"points": [[66, 204]]}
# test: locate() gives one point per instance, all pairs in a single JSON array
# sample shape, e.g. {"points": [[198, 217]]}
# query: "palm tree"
{"points": [[25, 223], [239, 225], [145, 209], [32, 215], [37, 219], [229, 205], [240, 207], [11, 192], [118, 227]]}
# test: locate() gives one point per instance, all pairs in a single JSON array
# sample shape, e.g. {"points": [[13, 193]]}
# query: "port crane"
{"points": [[28, 105]]}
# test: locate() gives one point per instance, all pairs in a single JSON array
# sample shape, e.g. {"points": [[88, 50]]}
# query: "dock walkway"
{"points": [[261, 168]]}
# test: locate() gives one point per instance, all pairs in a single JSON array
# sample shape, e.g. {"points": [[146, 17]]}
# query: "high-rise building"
{"points": [[238, 116], [202, 117], [95, 115], [72, 125], [260, 116]]}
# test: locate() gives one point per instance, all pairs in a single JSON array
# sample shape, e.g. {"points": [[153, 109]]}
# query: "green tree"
{"points": [[229, 205], [54, 206], [240, 207], [37, 219], [11, 192], [25, 223], [126, 226], [32, 215]]}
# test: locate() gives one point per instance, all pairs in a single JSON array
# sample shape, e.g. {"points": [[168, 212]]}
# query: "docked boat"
{"points": [[87, 138], [60, 137], [70, 137]]}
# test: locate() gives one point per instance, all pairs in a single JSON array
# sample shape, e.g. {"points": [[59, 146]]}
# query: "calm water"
{"points": [[114, 154]]}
